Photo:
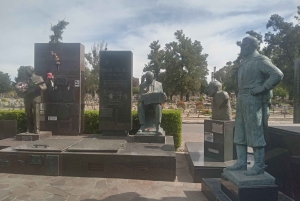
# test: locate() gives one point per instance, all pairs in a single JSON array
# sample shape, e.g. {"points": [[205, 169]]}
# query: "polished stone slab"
{"points": [[97, 145], [47, 145], [211, 189], [288, 127], [8, 128], [34, 136]]}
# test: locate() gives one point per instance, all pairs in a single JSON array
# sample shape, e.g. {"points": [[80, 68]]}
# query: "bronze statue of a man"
{"points": [[221, 108], [30, 89], [151, 96], [257, 76]]}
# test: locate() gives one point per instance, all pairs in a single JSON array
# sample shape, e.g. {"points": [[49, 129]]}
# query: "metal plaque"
{"points": [[208, 137], [52, 165], [115, 90], [4, 163], [76, 83], [26, 138], [36, 160], [217, 128], [213, 151], [52, 118]]}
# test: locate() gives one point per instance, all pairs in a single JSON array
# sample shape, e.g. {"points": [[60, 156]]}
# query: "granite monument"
{"points": [[257, 76], [297, 91], [30, 89], [151, 98]]}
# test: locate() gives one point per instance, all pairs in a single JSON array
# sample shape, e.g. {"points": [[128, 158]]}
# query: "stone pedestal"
{"points": [[33, 136], [218, 140], [8, 128], [149, 138], [239, 187]]}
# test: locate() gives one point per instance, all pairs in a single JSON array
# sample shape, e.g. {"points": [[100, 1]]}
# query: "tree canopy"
{"points": [[5, 83], [92, 75], [58, 31], [180, 66]]}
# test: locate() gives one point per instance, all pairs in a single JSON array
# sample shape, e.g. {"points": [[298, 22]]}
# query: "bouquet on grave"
{"points": [[22, 87]]}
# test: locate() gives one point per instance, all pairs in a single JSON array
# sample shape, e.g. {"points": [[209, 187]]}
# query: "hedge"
{"points": [[171, 122]]}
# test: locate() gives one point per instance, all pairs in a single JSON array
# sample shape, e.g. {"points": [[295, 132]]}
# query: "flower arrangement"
{"points": [[57, 60], [50, 77]]}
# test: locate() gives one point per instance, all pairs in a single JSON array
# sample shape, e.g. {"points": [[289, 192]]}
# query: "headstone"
{"points": [[115, 92], [297, 91], [62, 108]]}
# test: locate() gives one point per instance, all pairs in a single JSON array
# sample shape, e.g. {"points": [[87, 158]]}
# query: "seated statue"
{"points": [[221, 109], [30, 89], [151, 97]]}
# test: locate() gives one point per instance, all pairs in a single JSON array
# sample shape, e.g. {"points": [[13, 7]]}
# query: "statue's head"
{"points": [[149, 77], [249, 45], [213, 88], [29, 70]]}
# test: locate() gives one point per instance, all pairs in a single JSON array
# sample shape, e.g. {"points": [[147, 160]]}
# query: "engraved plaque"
{"points": [[36, 160], [208, 137], [52, 118], [217, 128], [96, 167], [26, 138], [140, 169], [52, 165], [115, 90]]}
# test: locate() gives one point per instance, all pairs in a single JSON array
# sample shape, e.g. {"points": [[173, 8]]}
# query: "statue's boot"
{"points": [[241, 163], [142, 128], [159, 130], [259, 162]]}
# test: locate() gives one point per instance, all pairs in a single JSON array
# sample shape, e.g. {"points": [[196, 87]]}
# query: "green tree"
{"points": [[5, 83], [58, 31], [283, 46], [156, 57], [185, 65], [280, 91], [93, 59], [21, 76]]}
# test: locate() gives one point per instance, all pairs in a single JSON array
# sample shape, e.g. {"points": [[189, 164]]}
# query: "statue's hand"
{"points": [[30, 89], [258, 90]]}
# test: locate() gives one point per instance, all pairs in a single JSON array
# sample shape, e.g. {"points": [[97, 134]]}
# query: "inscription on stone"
{"points": [[96, 167], [213, 151], [140, 169], [36, 160], [297, 91], [115, 90], [26, 138], [52, 165], [217, 128]]}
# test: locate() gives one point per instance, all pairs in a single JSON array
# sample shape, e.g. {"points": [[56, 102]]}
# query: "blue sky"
{"points": [[133, 25]]}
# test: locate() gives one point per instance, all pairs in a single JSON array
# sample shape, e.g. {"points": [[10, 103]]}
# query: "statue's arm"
{"points": [[141, 92], [41, 84], [273, 73]]}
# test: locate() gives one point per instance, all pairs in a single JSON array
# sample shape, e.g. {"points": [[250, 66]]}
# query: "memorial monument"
{"points": [[297, 91], [30, 89], [218, 131], [257, 76], [151, 98]]}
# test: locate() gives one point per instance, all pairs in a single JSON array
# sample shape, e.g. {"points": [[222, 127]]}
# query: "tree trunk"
{"points": [[187, 97], [181, 96], [171, 97]]}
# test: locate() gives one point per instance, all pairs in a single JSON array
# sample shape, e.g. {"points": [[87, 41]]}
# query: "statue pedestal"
{"points": [[218, 140], [149, 137], [235, 186], [33, 136]]}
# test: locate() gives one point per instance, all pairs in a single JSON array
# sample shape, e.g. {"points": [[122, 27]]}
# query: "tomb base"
{"points": [[33, 136]]}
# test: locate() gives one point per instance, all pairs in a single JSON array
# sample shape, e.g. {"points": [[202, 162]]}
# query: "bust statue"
{"points": [[30, 89], [221, 109], [151, 97]]}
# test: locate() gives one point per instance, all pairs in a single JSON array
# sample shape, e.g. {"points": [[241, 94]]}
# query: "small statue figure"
{"points": [[257, 76], [30, 89], [221, 109], [151, 96]]}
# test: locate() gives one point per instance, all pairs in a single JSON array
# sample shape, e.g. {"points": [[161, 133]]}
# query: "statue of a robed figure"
{"points": [[151, 98], [30, 89]]}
